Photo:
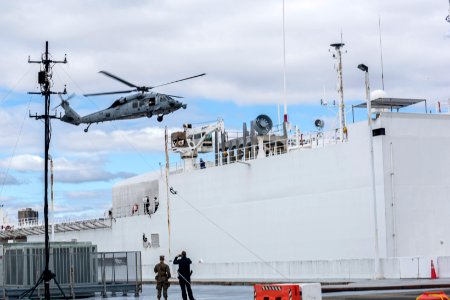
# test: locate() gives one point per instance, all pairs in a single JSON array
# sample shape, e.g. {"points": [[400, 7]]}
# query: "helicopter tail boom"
{"points": [[70, 115]]}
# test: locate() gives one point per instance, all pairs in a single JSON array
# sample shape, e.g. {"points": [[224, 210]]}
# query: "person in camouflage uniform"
{"points": [[162, 277]]}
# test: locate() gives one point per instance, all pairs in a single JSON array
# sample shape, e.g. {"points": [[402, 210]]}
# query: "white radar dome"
{"points": [[376, 94]]}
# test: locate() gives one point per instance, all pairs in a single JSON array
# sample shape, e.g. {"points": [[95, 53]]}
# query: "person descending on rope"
{"points": [[184, 275]]}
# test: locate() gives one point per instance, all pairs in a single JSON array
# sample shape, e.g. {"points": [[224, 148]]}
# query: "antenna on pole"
{"points": [[338, 57], [448, 17], [381, 53], [285, 118], [45, 82]]}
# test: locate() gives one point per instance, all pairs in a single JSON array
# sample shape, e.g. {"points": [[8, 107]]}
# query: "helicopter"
{"points": [[144, 103]]}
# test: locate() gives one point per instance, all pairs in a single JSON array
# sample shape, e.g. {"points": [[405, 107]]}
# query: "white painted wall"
{"points": [[313, 204], [307, 214], [417, 223]]}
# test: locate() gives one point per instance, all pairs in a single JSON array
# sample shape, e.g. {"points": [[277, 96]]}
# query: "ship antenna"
{"points": [[166, 142], [448, 17], [338, 57], [381, 53], [285, 119]]}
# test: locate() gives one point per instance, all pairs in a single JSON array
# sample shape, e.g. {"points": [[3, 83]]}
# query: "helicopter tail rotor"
{"points": [[63, 100]]}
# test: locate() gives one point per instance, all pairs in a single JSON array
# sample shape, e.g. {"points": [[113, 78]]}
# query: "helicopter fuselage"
{"points": [[141, 104], [130, 107]]}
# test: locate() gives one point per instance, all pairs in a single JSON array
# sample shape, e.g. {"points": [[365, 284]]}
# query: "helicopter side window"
{"points": [[108, 115], [135, 104], [151, 101]]}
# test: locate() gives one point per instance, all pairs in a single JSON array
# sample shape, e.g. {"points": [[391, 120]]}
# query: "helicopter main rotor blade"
{"points": [[109, 93], [118, 79], [173, 96], [179, 80]]}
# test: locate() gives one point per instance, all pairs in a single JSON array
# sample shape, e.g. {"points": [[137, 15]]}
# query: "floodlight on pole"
{"points": [[365, 69]]}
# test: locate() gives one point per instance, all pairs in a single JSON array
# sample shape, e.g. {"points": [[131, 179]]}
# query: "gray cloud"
{"points": [[10, 180], [238, 43]]}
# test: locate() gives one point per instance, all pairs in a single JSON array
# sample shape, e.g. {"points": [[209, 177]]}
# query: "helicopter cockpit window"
{"points": [[152, 101], [115, 104]]}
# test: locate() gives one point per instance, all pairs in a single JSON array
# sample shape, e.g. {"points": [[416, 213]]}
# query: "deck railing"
{"points": [[273, 146]]}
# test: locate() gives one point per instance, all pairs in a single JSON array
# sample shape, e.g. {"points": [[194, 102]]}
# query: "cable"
{"points": [[174, 192], [15, 147], [15, 85]]}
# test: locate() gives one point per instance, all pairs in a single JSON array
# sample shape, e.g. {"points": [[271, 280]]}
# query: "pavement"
{"points": [[358, 290]]}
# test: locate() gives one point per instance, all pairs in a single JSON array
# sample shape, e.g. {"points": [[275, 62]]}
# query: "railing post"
{"points": [[126, 257], [72, 292], [103, 275], [136, 291], [113, 292]]}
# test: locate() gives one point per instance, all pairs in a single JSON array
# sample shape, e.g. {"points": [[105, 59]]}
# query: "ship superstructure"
{"points": [[303, 209]]}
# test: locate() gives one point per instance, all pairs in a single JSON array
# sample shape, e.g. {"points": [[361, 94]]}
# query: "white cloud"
{"points": [[84, 170], [65, 170], [23, 163], [118, 140], [238, 43]]}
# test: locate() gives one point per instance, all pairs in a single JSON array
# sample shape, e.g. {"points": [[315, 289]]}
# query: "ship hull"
{"points": [[307, 214]]}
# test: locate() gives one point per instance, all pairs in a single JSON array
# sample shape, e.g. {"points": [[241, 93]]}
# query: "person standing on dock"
{"points": [[162, 277], [184, 274]]}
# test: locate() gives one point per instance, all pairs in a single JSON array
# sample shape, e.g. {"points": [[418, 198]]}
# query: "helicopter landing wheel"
{"points": [[87, 128], [160, 118], [149, 115]]}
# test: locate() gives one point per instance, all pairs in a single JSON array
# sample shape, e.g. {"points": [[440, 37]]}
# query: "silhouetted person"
{"points": [[184, 275], [155, 200], [202, 164], [162, 277], [147, 206]]}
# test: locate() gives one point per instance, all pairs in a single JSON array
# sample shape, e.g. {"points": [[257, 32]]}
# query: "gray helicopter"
{"points": [[142, 104]]}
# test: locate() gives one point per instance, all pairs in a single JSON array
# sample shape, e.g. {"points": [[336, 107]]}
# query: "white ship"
{"points": [[357, 202]]}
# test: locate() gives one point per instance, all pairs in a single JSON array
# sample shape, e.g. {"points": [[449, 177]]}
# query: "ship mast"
{"points": [[338, 57]]}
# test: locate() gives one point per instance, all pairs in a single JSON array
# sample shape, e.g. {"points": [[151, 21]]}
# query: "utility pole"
{"points": [[44, 80]]}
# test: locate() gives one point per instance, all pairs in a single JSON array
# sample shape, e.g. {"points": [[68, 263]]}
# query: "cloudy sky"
{"points": [[239, 44]]}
